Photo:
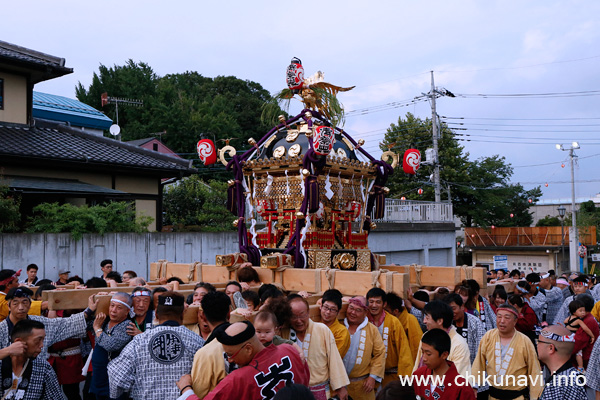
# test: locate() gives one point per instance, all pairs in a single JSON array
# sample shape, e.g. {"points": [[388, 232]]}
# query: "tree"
{"points": [[10, 216], [194, 205], [548, 221], [480, 190], [188, 106]]}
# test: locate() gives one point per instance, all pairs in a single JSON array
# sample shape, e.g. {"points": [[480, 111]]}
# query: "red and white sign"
{"points": [[206, 151], [355, 207], [323, 140], [412, 161]]}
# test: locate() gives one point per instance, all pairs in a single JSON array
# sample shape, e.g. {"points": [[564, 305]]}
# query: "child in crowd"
{"points": [[252, 299], [575, 322], [267, 328], [438, 379]]}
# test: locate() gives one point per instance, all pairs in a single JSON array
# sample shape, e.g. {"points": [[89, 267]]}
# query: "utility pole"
{"points": [[574, 239], [436, 164]]}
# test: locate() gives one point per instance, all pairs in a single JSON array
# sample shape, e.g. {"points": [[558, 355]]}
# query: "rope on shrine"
{"points": [[418, 271], [375, 278], [192, 274], [162, 269], [318, 289], [330, 275], [468, 271]]}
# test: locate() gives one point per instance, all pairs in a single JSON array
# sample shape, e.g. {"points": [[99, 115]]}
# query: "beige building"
{"points": [[48, 161]]}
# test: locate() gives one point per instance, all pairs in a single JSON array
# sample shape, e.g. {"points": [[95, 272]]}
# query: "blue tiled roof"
{"points": [[64, 109]]}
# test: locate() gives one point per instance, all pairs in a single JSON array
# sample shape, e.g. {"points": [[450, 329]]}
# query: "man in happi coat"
{"points": [[210, 362], [580, 286], [263, 370], [365, 359], [593, 371], [439, 315], [507, 358], [24, 375], [398, 357], [331, 304], [9, 279], [327, 373], [554, 299], [153, 361], [467, 325], [57, 329], [482, 305], [411, 325], [555, 347]]}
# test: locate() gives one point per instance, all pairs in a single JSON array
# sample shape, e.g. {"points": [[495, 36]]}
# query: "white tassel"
{"points": [[287, 183], [328, 192], [269, 184]]}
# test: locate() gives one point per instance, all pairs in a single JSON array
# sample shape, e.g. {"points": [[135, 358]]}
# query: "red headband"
{"points": [[516, 314], [10, 278], [358, 303]]}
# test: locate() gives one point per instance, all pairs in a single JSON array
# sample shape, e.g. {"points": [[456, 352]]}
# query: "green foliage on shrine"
{"points": [[193, 205], [77, 220], [480, 190]]}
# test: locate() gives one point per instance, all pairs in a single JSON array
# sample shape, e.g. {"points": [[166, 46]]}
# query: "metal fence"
{"points": [[417, 211]]}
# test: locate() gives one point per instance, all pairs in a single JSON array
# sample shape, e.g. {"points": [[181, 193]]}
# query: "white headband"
{"points": [[547, 275], [131, 312], [522, 290]]}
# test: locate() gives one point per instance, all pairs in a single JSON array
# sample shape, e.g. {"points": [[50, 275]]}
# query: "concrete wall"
{"points": [[15, 99], [129, 251]]}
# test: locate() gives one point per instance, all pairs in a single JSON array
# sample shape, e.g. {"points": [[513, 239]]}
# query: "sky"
{"points": [[384, 48]]}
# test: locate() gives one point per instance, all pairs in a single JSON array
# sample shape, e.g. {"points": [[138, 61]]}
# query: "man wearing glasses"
{"points": [[331, 304]]}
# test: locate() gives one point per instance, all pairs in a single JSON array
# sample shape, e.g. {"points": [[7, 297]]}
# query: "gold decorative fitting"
{"points": [[390, 154], [343, 261], [279, 152], [230, 150], [292, 136], [300, 215], [341, 153], [308, 115], [295, 150], [252, 142], [361, 142], [305, 172], [236, 222], [282, 119], [386, 190], [348, 143], [309, 132], [231, 182], [373, 225]]}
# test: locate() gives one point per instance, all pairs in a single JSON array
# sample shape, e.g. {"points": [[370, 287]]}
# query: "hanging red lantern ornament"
{"points": [[323, 140], [402, 198], [493, 227], [295, 75], [206, 151], [530, 201], [546, 184], [562, 165], [412, 161], [512, 215], [420, 191]]}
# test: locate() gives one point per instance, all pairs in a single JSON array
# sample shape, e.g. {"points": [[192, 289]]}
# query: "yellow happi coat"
{"points": [[370, 360], [413, 331], [35, 309], [459, 353], [398, 359], [208, 368], [323, 358], [520, 361], [342, 337]]}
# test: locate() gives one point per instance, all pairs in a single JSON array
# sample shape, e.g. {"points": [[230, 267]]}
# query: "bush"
{"points": [[193, 205], [112, 217], [10, 216]]}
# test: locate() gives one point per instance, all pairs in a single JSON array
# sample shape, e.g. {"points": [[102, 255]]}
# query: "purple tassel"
{"points": [[312, 192], [232, 199]]}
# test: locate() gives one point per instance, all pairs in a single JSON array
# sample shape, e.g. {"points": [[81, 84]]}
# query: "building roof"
{"points": [[38, 65], [567, 201], [74, 112], [54, 185], [61, 146], [140, 142]]}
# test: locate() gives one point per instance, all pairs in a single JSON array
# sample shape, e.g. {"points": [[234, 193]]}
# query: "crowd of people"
{"points": [[255, 341]]}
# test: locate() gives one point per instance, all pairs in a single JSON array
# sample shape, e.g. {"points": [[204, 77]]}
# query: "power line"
{"points": [[522, 119], [585, 93]]}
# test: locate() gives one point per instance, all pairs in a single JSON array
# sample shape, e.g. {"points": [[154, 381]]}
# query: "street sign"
{"points": [[595, 257], [500, 262]]}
